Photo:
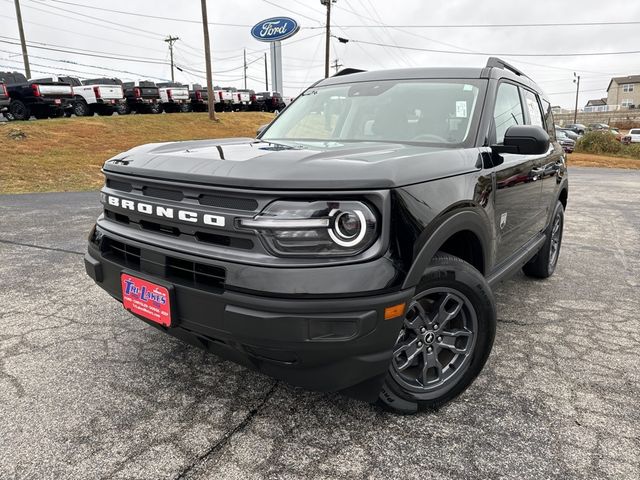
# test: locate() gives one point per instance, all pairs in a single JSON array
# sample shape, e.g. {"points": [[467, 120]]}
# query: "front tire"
{"points": [[544, 263], [445, 339]]}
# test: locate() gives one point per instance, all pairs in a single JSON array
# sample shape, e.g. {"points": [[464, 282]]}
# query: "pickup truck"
{"points": [[174, 97], [241, 99], [355, 255], [42, 98], [272, 101], [224, 99], [141, 97], [632, 137], [103, 96], [199, 98], [4, 98]]}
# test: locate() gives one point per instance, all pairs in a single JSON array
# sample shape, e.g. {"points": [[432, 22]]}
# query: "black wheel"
{"points": [[544, 263], [155, 108], [68, 112], [123, 109], [81, 109], [445, 339], [19, 110], [185, 108]]}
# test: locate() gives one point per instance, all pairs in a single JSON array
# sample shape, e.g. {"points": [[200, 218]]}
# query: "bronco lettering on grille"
{"points": [[166, 212]]}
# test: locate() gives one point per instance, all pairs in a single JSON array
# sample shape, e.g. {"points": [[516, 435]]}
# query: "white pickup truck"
{"points": [[174, 97], [99, 95], [223, 99], [240, 99]]}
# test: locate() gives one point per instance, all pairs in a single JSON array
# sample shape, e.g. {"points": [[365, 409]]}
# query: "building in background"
{"points": [[597, 105], [624, 91]]}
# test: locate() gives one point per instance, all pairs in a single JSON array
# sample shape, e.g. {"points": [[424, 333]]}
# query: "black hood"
{"points": [[250, 163]]}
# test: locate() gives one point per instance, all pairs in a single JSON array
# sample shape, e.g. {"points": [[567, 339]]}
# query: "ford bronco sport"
{"points": [[353, 245]]}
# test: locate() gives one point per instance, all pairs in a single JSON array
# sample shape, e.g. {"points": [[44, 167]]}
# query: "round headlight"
{"points": [[349, 227]]}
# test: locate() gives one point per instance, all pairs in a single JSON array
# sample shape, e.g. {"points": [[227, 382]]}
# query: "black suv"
{"points": [[353, 245]]}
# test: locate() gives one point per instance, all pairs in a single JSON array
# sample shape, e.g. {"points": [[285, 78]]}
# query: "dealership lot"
{"points": [[87, 391]]}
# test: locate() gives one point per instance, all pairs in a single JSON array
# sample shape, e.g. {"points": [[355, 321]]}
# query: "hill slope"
{"points": [[66, 154]]}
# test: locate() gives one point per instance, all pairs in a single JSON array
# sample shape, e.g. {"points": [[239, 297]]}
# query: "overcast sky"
{"points": [[57, 24]]}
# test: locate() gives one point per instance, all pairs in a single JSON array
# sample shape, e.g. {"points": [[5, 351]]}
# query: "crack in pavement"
{"points": [[216, 447], [21, 244]]}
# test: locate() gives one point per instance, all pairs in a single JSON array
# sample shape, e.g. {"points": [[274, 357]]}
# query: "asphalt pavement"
{"points": [[87, 391]]}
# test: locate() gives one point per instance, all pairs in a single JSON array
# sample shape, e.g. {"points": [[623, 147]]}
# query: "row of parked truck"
{"points": [[51, 97]]}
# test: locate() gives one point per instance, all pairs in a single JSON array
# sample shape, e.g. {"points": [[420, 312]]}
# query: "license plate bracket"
{"points": [[148, 298]]}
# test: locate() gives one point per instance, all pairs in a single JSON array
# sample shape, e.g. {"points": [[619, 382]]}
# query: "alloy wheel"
{"points": [[556, 239], [436, 342]]}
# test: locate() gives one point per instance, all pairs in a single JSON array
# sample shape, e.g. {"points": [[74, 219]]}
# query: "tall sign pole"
{"points": [[266, 75], [171, 40], [327, 45], [245, 68], [576, 80], [207, 57], [23, 42]]}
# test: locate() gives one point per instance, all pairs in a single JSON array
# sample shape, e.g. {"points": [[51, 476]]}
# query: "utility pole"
{"points": [[25, 55], [207, 59], [266, 75], [171, 40], [245, 68], [337, 65], [327, 35], [576, 80]]}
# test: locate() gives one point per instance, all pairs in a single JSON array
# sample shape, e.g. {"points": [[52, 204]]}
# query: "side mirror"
{"points": [[524, 140], [261, 129]]}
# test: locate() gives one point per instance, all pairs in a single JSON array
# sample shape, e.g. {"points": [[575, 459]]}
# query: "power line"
{"points": [[291, 11], [505, 25], [432, 50], [156, 17]]}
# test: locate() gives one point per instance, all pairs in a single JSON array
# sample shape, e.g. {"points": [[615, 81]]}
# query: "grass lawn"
{"points": [[66, 154], [579, 159]]}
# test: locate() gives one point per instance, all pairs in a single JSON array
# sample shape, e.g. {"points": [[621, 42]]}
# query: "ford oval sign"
{"points": [[275, 29]]}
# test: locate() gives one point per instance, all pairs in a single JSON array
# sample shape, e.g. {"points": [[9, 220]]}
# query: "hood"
{"points": [[250, 163]]}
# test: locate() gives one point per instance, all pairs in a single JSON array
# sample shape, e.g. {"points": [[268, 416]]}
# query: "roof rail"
{"points": [[348, 71], [495, 62]]}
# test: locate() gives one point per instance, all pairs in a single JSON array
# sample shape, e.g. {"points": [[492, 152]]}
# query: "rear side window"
{"points": [[635, 131], [508, 110], [533, 108]]}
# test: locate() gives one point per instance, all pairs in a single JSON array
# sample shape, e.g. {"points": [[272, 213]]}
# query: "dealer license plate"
{"points": [[146, 299]]}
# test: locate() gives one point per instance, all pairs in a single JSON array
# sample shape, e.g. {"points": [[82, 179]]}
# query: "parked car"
{"points": [[174, 97], [632, 137], [272, 101], [595, 127], [579, 128], [103, 96], [570, 133], [141, 97], [199, 98], [357, 257], [41, 98], [4, 98], [568, 145]]}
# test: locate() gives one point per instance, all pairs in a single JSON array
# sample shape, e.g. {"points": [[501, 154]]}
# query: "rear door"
{"points": [[518, 208]]}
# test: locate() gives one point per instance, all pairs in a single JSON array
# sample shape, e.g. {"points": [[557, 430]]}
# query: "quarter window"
{"points": [[508, 110], [533, 107]]}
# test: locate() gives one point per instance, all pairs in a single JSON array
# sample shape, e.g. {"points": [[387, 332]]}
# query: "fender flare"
{"points": [[457, 221]]}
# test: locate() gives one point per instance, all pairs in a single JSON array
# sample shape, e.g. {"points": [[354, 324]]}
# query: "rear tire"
{"points": [[544, 263], [123, 109], [19, 110], [81, 109], [155, 108], [445, 339]]}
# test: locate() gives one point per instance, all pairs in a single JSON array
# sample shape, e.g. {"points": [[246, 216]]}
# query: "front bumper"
{"points": [[326, 344]]}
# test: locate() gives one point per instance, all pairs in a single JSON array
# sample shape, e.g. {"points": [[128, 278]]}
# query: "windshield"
{"points": [[441, 112]]}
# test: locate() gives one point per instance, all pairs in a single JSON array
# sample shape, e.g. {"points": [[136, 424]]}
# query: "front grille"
{"points": [[233, 203], [121, 253], [167, 194], [176, 270], [117, 185], [196, 274]]}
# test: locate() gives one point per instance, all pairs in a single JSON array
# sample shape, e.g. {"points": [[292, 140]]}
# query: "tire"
{"points": [[450, 323], [155, 108], [123, 109], [544, 263], [19, 110], [185, 108], [81, 109]]}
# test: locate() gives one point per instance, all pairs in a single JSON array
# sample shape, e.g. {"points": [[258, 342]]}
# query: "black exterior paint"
{"points": [[319, 323]]}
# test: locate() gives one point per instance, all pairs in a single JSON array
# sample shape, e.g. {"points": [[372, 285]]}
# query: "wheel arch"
{"points": [[463, 233]]}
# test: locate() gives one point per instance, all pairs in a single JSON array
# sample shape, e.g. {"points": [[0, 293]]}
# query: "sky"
{"points": [[80, 26]]}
